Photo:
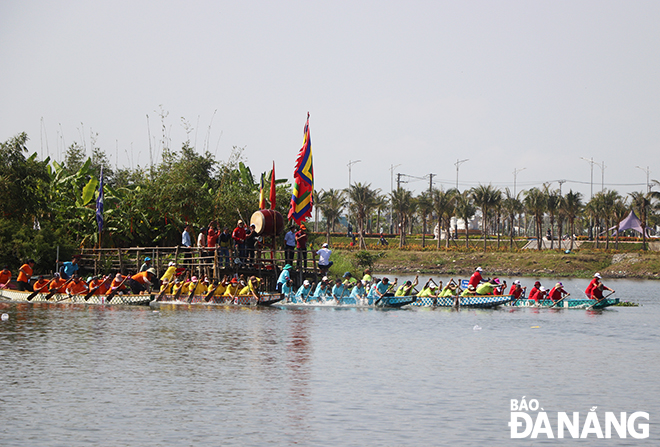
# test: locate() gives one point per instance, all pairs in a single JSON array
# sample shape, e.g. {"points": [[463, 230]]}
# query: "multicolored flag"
{"points": [[99, 203], [272, 187], [262, 187], [303, 180]]}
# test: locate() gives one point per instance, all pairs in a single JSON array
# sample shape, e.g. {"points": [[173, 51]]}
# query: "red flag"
{"points": [[272, 187]]}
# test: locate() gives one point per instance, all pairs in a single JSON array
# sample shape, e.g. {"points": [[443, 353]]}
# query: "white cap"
{"points": [[516, 281], [325, 278], [363, 282], [171, 264], [305, 283], [479, 269], [597, 275], [325, 245], [542, 289]]}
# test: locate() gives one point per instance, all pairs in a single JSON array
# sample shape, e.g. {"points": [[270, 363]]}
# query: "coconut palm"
{"points": [[641, 203], [331, 203], [512, 206], [552, 201], [486, 198], [572, 206], [443, 206], [465, 209], [535, 204], [402, 202], [593, 209], [424, 209], [362, 201]]}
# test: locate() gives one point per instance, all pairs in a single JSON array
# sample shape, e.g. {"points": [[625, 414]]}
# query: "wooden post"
{"points": [[121, 263]]}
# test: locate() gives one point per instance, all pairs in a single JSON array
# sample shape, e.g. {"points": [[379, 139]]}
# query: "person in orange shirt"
{"points": [[58, 285], [40, 284], [24, 275], [77, 286], [5, 277], [116, 283], [101, 284], [142, 281]]}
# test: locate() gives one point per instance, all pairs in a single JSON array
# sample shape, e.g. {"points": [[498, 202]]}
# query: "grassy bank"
{"points": [[580, 264]]}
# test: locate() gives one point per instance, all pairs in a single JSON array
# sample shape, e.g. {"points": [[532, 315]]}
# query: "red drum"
{"points": [[267, 222]]}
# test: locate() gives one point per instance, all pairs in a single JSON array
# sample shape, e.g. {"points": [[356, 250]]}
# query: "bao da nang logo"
{"points": [[590, 424]]}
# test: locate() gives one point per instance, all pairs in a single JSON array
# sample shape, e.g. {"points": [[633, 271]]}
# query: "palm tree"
{"points": [[609, 202], [572, 206], [465, 209], [641, 203], [486, 198], [402, 202], [424, 209], [444, 205], [552, 200], [512, 206], [535, 204], [331, 204], [619, 212], [382, 203], [593, 210], [363, 200]]}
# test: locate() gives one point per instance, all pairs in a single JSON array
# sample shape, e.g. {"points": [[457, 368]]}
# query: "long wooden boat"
{"points": [[477, 301], [130, 300], [565, 304], [387, 302], [169, 302]]}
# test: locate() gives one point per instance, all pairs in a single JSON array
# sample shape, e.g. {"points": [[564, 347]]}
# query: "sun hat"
{"points": [[151, 270], [537, 284], [558, 285], [597, 275], [305, 283], [287, 267]]}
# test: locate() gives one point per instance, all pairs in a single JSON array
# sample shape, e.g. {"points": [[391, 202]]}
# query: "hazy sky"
{"points": [[417, 85]]}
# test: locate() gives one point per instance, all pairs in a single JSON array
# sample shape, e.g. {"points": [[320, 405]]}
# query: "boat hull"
{"points": [[479, 301], [565, 304], [168, 301], [128, 300]]}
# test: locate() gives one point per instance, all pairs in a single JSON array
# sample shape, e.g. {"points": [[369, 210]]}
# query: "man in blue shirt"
{"points": [[283, 278], [186, 240], [289, 244], [69, 268]]}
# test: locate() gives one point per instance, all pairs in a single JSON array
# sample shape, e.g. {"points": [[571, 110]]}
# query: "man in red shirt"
{"points": [[476, 278], [558, 292], [5, 277], [517, 290], [535, 294], [593, 284], [301, 246], [239, 236]]}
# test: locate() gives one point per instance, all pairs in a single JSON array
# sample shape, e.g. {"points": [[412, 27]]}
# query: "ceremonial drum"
{"points": [[267, 222]]}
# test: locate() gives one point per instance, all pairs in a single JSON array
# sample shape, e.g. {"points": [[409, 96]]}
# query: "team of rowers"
{"points": [[370, 289]]}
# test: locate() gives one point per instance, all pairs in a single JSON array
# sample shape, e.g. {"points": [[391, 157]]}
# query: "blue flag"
{"points": [[99, 203]]}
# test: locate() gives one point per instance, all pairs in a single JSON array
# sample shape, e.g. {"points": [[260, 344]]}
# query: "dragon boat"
{"points": [[475, 301], [386, 302], [63, 298], [171, 302], [565, 304]]}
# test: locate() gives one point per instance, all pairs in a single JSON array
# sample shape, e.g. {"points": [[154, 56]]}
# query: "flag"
{"points": [[272, 187], [262, 187], [303, 180], [99, 203]]}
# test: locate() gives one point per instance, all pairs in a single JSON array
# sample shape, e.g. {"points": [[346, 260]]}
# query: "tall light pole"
{"points": [[515, 176], [392, 168], [458, 164], [648, 183], [350, 165], [602, 180], [591, 162]]}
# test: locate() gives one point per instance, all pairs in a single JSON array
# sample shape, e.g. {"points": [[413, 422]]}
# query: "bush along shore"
{"points": [[556, 264]]}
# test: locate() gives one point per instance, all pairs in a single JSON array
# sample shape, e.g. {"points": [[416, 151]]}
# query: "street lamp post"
{"points": [[648, 183], [350, 165], [392, 167], [515, 176], [458, 164]]}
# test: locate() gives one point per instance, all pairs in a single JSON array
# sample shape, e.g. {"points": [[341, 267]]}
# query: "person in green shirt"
{"points": [[430, 289], [406, 288]]}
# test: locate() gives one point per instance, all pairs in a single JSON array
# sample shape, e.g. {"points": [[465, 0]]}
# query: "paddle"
{"points": [[387, 291], [50, 295], [162, 293], [115, 291], [36, 292], [208, 296], [559, 300], [192, 291], [600, 300], [93, 291]]}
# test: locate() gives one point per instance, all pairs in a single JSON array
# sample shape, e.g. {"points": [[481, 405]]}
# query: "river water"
{"points": [[79, 376]]}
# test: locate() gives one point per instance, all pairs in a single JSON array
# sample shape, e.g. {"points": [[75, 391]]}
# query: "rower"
{"points": [[557, 292], [535, 293], [517, 290], [476, 278], [142, 281], [358, 291], [338, 290], [597, 292], [470, 291], [487, 288], [5, 277], [430, 289], [40, 284], [593, 284], [77, 286], [406, 288], [304, 291]]}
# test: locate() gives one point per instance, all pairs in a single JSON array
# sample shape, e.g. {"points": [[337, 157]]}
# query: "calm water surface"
{"points": [[75, 376]]}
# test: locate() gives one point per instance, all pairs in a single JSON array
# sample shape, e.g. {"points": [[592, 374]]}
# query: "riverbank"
{"points": [[582, 264]]}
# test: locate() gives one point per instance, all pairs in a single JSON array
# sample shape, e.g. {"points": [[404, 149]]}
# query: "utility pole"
{"points": [[515, 176], [350, 165], [602, 180], [591, 162], [648, 183], [430, 184], [392, 167], [458, 164], [561, 182]]}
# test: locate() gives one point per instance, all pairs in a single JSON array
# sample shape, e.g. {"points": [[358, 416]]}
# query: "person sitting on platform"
{"points": [[324, 258]]}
